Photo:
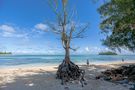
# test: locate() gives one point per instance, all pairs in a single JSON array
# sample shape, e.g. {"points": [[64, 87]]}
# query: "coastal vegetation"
{"points": [[118, 24], [107, 53], [5, 53]]}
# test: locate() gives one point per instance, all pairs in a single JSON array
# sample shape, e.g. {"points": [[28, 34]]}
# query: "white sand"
{"points": [[8, 75], [43, 78]]}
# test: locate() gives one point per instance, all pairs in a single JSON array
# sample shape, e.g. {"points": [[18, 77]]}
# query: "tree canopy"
{"points": [[118, 23]]}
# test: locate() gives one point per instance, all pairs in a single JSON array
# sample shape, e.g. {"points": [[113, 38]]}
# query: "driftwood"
{"points": [[118, 74], [70, 71]]}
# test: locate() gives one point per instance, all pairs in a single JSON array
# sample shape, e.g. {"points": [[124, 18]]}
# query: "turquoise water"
{"points": [[13, 60]]}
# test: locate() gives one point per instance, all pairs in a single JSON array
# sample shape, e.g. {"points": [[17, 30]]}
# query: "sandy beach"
{"points": [[67, 45], [43, 78]]}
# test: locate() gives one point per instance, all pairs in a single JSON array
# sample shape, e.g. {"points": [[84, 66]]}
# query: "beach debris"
{"points": [[123, 74], [69, 72]]}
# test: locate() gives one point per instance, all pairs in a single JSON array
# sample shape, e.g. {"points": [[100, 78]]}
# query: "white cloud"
{"points": [[96, 50], [11, 31], [87, 49], [7, 28], [91, 50], [7, 34], [37, 50], [41, 26]]}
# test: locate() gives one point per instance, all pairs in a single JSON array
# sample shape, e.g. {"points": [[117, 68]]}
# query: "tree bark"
{"points": [[67, 55], [67, 70]]}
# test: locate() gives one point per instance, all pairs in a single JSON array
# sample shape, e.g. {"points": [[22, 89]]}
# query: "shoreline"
{"points": [[40, 65]]}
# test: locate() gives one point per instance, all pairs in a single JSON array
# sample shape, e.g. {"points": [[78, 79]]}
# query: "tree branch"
{"points": [[71, 31], [54, 29], [74, 49], [81, 31], [55, 11]]}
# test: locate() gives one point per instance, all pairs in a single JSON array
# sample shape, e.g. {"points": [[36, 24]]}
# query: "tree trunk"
{"points": [[67, 55], [67, 70]]}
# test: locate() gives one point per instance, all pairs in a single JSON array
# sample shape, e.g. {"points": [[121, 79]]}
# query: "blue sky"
{"points": [[22, 27]]}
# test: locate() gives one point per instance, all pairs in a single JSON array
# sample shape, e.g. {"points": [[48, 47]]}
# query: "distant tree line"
{"points": [[107, 53], [5, 53]]}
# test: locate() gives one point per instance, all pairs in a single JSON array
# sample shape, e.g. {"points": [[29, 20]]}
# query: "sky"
{"points": [[23, 29]]}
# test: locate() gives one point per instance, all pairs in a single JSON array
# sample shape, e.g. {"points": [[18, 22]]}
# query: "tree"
{"points": [[68, 30], [118, 23]]}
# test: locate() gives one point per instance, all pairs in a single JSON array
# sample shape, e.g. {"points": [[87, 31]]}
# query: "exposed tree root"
{"points": [[70, 71]]}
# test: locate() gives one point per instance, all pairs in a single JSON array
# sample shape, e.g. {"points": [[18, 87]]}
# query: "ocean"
{"points": [[15, 60]]}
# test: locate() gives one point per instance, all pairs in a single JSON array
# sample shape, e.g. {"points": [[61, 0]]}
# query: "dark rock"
{"points": [[98, 77], [126, 71], [119, 74], [107, 78], [117, 77], [107, 72], [131, 78], [132, 72]]}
